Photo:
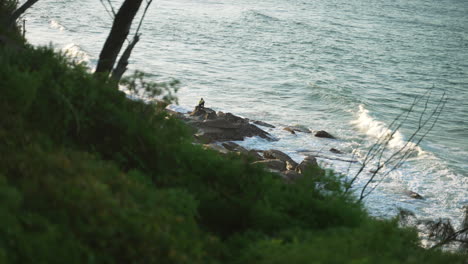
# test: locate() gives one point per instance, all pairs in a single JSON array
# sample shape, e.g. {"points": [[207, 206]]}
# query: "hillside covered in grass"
{"points": [[89, 176]]}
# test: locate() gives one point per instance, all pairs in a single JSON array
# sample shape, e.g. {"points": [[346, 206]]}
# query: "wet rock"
{"points": [[210, 115], [261, 123], [234, 119], [334, 150], [308, 162], [414, 195], [212, 127], [235, 148], [276, 154], [274, 164], [290, 130], [324, 134], [199, 111], [230, 145], [291, 165], [221, 129], [219, 123], [254, 154], [301, 129]]}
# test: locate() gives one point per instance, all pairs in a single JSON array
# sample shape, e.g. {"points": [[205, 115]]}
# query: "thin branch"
{"points": [[403, 153], [451, 238]]}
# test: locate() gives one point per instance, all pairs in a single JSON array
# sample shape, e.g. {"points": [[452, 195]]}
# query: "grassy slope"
{"points": [[88, 176]]}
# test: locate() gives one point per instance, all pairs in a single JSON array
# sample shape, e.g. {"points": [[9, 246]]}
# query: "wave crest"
{"points": [[379, 130], [76, 52], [56, 25]]}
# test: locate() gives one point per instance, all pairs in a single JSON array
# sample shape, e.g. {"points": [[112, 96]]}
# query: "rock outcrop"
{"points": [[221, 126], [217, 130], [308, 162], [276, 154], [261, 123], [274, 164], [324, 134]]}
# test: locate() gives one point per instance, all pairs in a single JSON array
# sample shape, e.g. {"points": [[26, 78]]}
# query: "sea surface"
{"points": [[345, 66]]}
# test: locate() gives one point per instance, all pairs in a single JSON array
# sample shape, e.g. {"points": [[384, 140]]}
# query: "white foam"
{"points": [[378, 130], [56, 25], [178, 108], [75, 52]]}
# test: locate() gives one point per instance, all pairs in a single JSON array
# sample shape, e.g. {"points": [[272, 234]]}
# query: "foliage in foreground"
{"points": [[89, 176]]}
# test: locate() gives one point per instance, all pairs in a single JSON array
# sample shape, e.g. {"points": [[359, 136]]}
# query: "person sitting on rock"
{"points": [[201, 103]]}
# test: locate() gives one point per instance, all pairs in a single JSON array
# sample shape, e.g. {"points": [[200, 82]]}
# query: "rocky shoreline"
{"points": [[217, 131]]}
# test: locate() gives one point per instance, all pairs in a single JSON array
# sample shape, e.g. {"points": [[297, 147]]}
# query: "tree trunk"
{"points": [[119, 32], [18, 12], [123, 61]]}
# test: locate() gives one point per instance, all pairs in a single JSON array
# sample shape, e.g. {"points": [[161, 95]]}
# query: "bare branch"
{"points": [[379, 152]]}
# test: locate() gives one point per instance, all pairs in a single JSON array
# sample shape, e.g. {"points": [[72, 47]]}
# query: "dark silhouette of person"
{"points": [[201, 103]]}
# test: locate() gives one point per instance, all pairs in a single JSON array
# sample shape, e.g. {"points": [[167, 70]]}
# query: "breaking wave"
{"points": [[56, 25], [379, 130], [76, 52]]}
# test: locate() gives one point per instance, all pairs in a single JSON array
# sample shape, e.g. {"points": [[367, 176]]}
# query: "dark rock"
{"points": [[274, 164], [414, 195], [308, 162], [291, 175], [213, 127], [234, 119], [334, 150], [301, 129], [276, 154], [291, 165], [261, 123], [235, 148], [289, 130], [323, 134], [199, 111], [216, 147], [219, 123], [210, 115], [254, 154], [230, 145]]}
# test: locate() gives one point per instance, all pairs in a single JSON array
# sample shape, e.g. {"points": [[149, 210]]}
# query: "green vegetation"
{"points": [[89, 176]]}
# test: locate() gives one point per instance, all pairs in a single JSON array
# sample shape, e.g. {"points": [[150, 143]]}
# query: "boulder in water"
{"points": [[290, 130], [334, 150], [324, 134], [414, 195]]}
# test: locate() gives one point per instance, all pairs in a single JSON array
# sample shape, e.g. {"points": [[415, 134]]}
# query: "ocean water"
{"points": [[348, 67]]}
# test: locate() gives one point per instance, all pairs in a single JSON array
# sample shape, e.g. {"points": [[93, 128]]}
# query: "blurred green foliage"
{"points": [[90, 176]]}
